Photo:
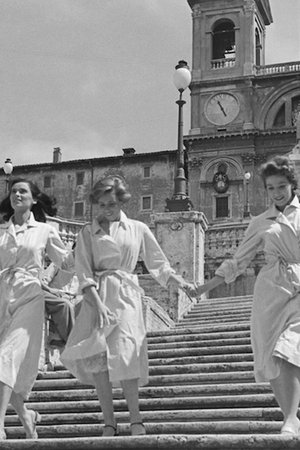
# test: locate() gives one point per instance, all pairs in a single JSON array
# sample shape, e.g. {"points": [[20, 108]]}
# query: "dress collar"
{"points": [[96, 226], [30, 222], [273, 212]]}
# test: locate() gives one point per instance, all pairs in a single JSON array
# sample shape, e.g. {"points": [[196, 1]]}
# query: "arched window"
{"points": [[258, 48], [223, 43]]}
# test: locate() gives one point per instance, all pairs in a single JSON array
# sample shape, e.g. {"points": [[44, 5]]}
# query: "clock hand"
{"points": [[221, 108]]}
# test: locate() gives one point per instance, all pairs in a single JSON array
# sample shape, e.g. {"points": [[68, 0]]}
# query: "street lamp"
{"points": [[8, 168], [247, 177], [180, 200]]}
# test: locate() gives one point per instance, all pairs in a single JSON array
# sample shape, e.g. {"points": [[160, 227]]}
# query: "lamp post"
{"points": [[180, 200], [8, 168], [247, 177]]}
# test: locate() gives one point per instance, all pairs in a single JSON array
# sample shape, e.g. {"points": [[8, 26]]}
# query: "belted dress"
{"points": [[275, 318], [108, 262], [22, 252]]}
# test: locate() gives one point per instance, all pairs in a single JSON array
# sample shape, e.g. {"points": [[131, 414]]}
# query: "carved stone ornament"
{"points": [[220, 182], [249, 6], [196, 11], [195, 162], [249, 158], [176, 226]]}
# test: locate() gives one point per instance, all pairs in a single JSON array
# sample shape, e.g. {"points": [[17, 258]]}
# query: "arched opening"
{"points": [[223, 43], [258, 48]]}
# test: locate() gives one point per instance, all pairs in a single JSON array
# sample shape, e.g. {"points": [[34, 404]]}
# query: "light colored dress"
{"points": [[22, 252], [108, 262], [275, 320]]}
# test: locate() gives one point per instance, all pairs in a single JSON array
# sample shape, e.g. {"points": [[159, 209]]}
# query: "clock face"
{"points": [[222, 108]]}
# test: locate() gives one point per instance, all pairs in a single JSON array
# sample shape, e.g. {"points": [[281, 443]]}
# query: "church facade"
{"points": [[242, 111]]}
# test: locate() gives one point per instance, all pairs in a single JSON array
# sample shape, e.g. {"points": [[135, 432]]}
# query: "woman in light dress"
{"points": [[275, 321], [24, 240], [107, 346]]}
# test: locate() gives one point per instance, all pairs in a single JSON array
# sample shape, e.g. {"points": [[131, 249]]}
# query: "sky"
{"points": [[95, 76]]}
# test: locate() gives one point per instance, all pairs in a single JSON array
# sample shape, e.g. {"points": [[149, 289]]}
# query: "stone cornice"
{"points": [[240, 134]]}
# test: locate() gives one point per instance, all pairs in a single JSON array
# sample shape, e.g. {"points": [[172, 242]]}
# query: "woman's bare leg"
{"points": [[286, 388], [5, 395], [27, 416], [105, 396], [131, 393]]}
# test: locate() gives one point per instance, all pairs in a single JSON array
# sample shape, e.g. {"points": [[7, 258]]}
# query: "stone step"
{"points": [[209, 427], [73, 383], [225, 300], [216, 318], [217, 315], [199, 351], [195, 360], [198, 344], [208, 328], [55, 415], [198, 378], [207, 307], [205, 367], [203, 321], [219, 312], [196, 336], [213, 401], [162, 442], [69, 386]]}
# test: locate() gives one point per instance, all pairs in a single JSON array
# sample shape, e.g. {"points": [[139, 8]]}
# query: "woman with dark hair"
{"points": [[275, 320], [107, 345], [24, 240]]}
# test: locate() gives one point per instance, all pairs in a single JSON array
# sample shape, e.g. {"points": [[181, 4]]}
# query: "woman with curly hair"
{"points": [[107, 345], [275, 319], [24, 240]]}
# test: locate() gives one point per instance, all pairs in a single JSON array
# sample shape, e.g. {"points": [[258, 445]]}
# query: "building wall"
{"points": [[71, 181]]}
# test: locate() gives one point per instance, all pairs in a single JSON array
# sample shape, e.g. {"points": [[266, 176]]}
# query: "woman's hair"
{"points": [[109, 184], [44, 205], [279, 165]]}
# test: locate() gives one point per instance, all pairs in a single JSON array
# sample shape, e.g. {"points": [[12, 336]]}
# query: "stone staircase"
{"points": [[201, 394]]}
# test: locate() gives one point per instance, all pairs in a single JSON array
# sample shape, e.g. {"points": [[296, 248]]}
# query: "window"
{"points": [[222, 207], [79, 178], [47, 181], [223, 42], [78, 209], [147, 172], [147, 202], [258, 48]]}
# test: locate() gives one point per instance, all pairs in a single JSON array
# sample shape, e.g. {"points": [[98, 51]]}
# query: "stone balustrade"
{"points": [[223, 63], [68, 229], [278, 68], [223, 240]]}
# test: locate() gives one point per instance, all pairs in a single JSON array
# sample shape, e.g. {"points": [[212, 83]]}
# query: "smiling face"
{"points": [[21, 198], [109, 207], [280, 190]]}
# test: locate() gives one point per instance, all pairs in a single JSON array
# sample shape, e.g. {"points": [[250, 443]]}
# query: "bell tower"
{"points": [[228, 44]]}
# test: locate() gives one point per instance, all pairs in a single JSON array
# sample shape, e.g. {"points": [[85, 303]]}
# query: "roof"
{"points": [[106, 160]]}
